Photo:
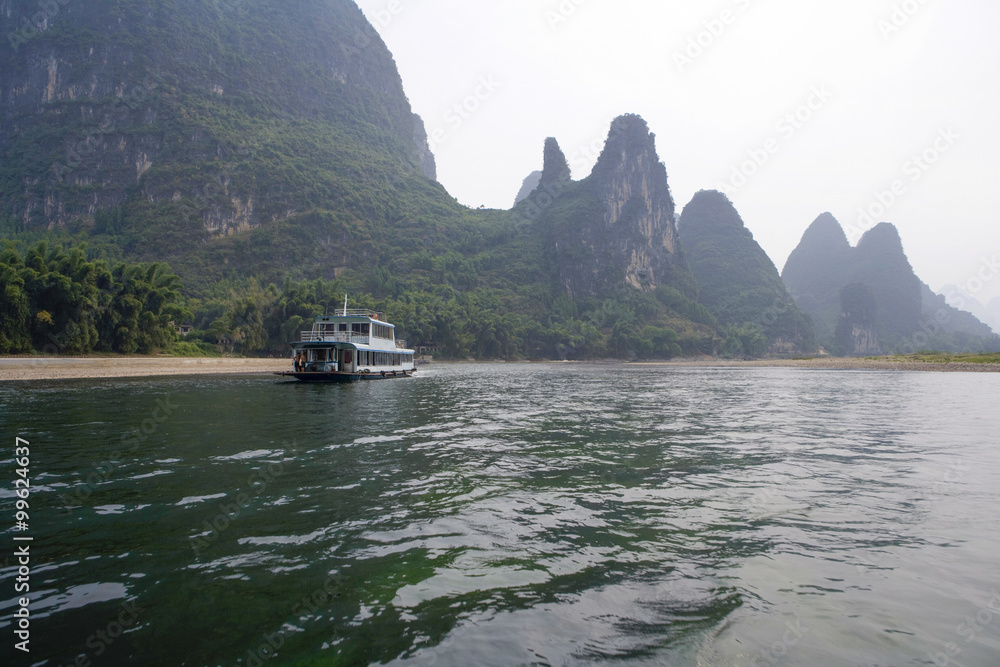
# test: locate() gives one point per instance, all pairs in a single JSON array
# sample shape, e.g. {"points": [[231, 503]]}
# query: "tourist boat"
{"points": [[351, 346]]}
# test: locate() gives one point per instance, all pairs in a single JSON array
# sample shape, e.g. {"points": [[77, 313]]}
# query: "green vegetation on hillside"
{"points": [[57, 301], [266, 151], [944, 358], [738, 282], [480, 323]]}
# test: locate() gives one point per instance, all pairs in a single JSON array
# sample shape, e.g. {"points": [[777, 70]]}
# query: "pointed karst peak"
{"points": [[629, 136], [556, 168], [825, 231], [711, 207], [822, 252], [883, 236]]}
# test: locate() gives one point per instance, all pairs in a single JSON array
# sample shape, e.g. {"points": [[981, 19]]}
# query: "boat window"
{"points": [[343, 326]]}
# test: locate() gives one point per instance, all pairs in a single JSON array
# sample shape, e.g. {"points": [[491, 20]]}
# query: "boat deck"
{"points": [[345, 377]]}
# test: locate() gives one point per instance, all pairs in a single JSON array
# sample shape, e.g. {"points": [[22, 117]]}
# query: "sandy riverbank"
{"points": [[62, 368], [828, 363]]}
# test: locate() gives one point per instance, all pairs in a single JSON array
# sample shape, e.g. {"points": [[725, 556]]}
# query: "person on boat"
{"points": [[299, 365]]}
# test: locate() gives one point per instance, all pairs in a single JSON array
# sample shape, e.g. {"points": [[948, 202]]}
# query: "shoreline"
{"points": [[836, 364], [14, 369], [95, 368]]}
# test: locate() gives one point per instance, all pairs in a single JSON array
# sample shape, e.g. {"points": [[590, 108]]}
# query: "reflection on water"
{"points": [[513, 514]]}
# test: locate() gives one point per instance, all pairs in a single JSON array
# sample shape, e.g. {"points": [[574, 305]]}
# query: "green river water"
{"points": [[509, 514]]}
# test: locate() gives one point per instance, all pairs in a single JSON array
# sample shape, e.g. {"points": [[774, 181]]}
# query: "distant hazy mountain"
{"points": [[815, 273], [528, 186], [738, 282], [868, 298], [988, 314]]}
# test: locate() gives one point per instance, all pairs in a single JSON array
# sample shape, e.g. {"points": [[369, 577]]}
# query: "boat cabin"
{"points": [[352, 343]]}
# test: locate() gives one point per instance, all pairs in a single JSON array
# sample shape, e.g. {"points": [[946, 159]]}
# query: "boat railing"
{"points": [[333, 337], [354, 312]]}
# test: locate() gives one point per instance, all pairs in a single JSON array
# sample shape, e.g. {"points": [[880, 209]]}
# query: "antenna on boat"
{"points": [[345, 305]]}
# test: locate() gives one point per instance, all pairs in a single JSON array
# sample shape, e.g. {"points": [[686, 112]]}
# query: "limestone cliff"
{"points": [[857, 331], [615, 227], [208, 105], [555, 169], [631, 183]]}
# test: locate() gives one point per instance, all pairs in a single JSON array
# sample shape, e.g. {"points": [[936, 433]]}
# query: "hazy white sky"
{"points": [[795, 107]]}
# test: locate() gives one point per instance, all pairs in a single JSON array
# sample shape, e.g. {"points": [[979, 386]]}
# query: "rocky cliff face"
{"points": [[737, 281], [857, 331], [631, 183], [555, 170], [615, 227], [207, 103]]}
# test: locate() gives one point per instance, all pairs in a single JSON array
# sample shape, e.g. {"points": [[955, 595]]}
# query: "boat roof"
{"points": [[354, 315]]}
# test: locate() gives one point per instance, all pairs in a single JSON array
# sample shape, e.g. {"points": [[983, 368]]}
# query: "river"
{"points": [[501, 514]]}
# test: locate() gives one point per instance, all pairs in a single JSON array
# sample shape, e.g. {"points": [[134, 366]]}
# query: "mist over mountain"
{"points": [[957, 297], [867, 299]]}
